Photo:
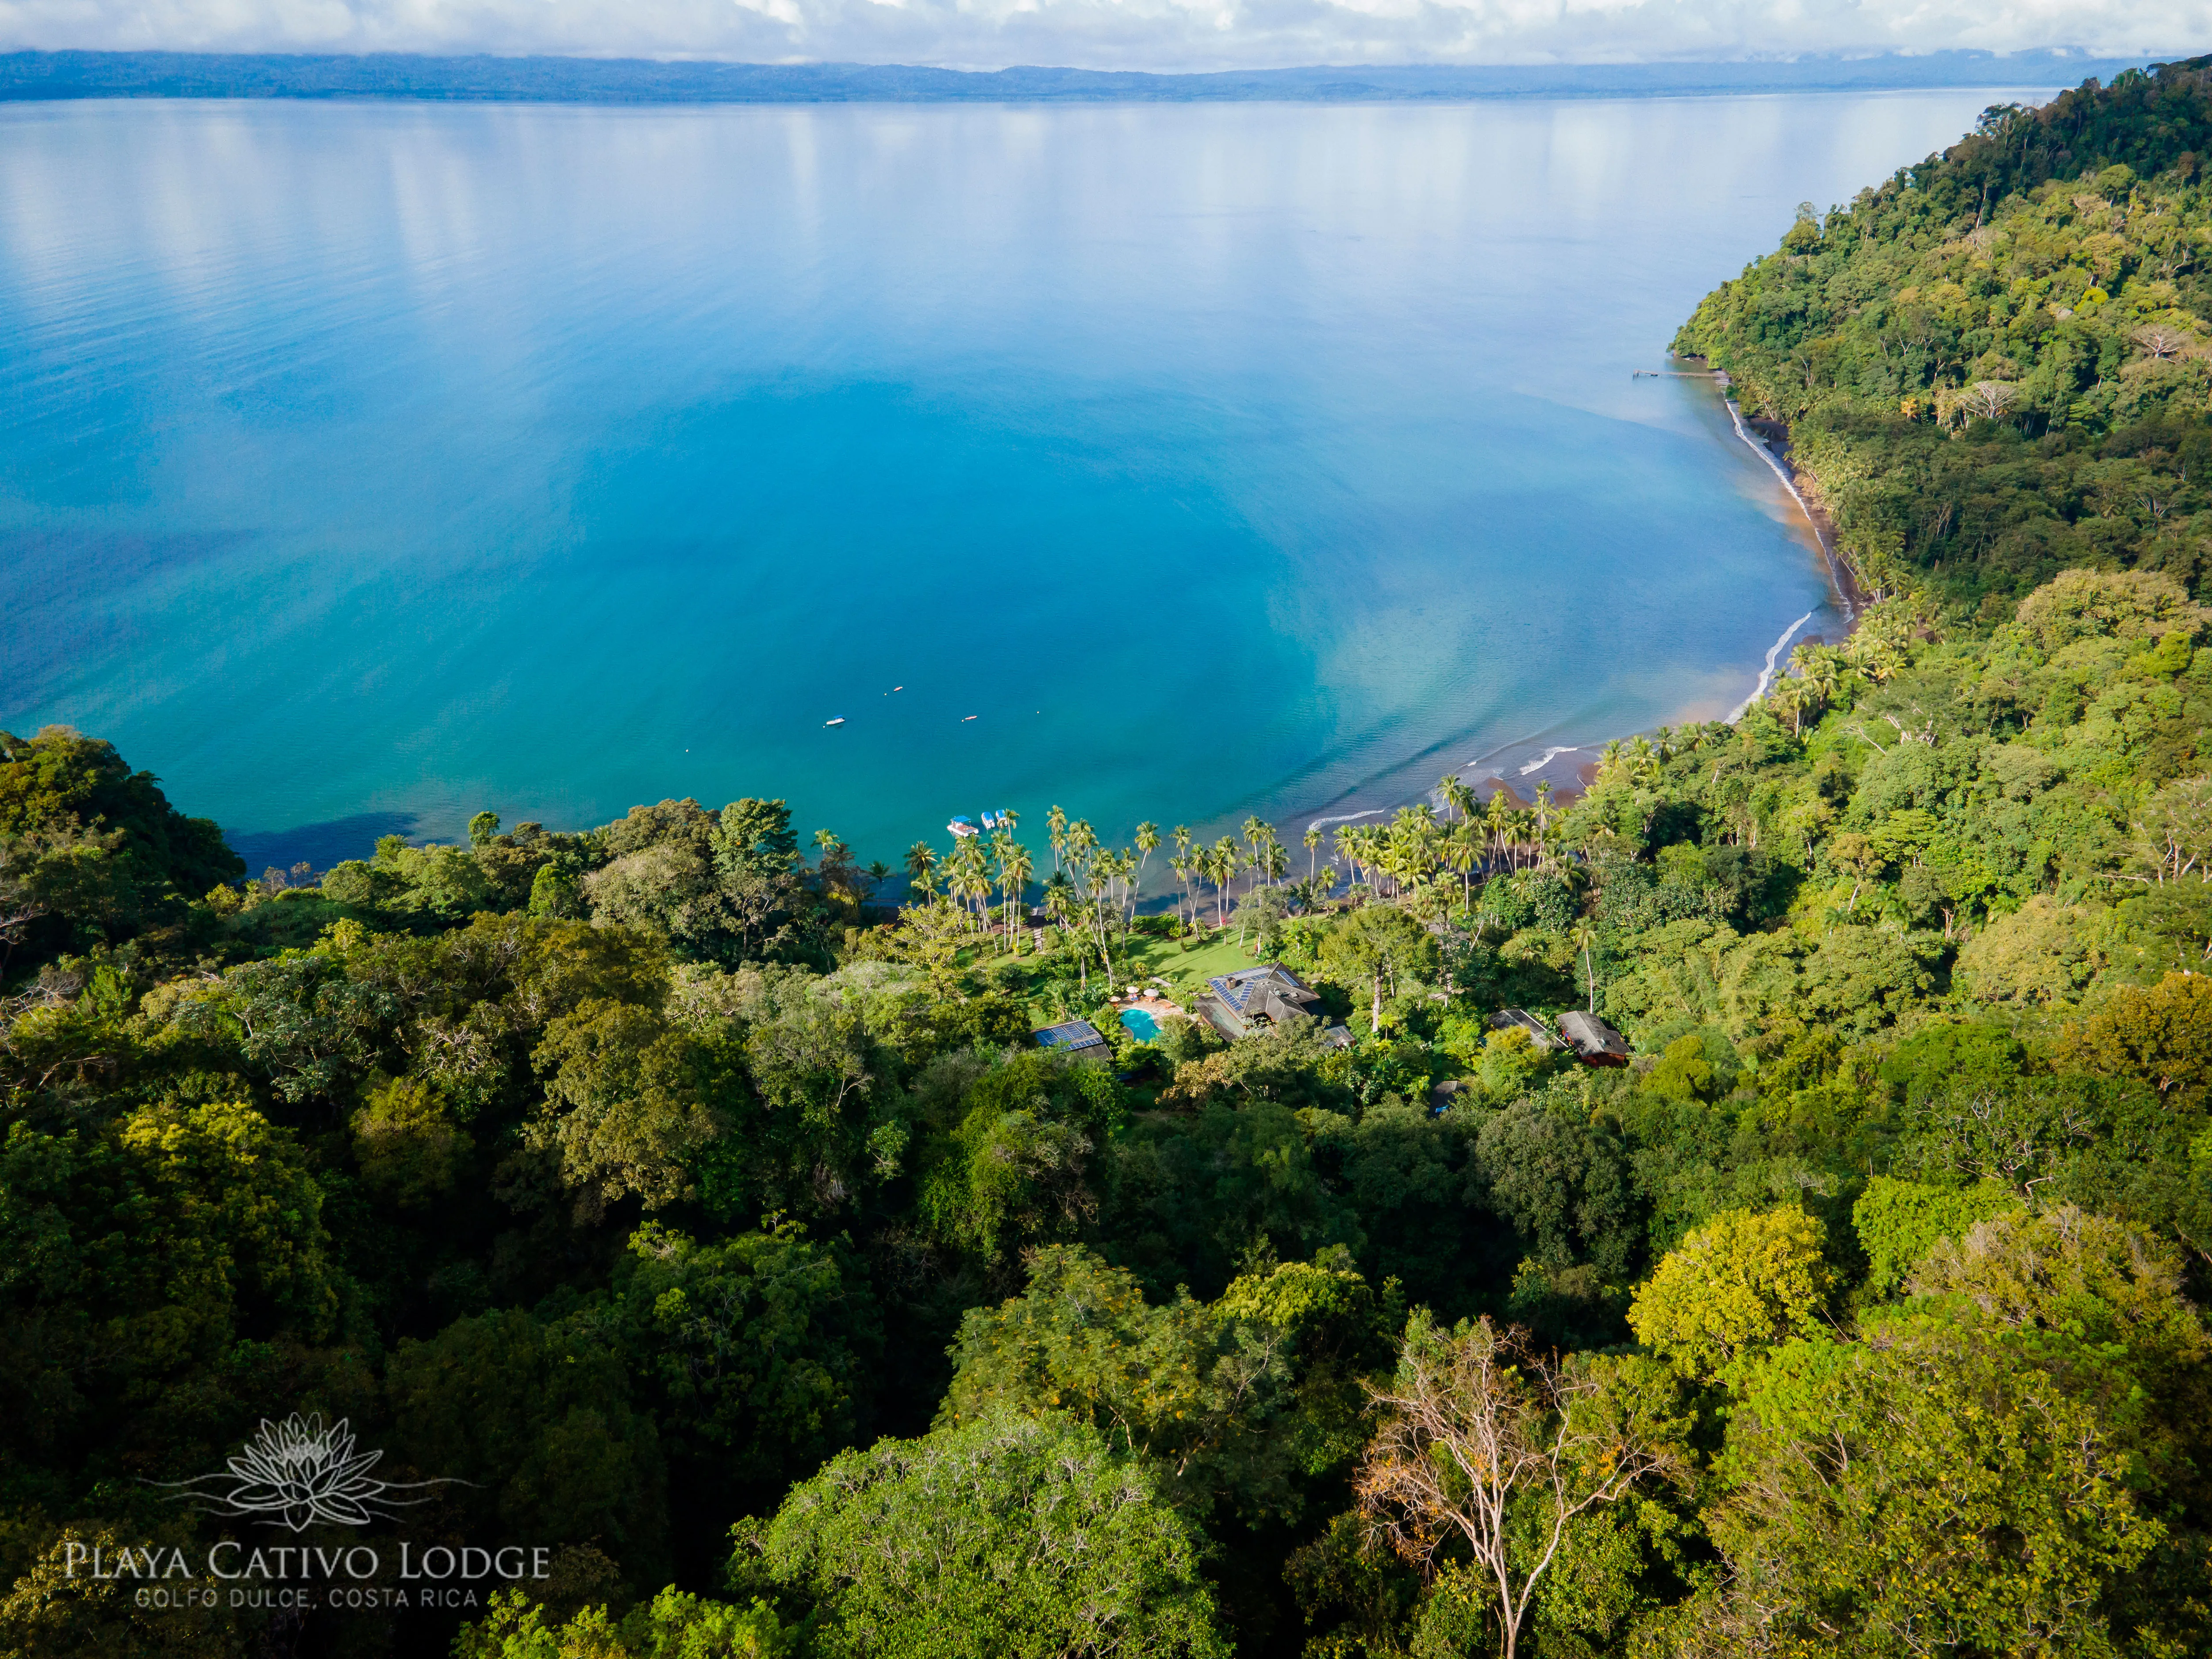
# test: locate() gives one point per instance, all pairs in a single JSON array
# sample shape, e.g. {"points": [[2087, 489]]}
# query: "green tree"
{"points": [[2160, 1034], [758, 1352], [407, 1144], [1191, 1395], [1013, 1166], [629, 1103], [538, 1419], [1899, 1222], [1742, 1282], [1008, 1537], [672, 1625], [1921, 1480], [1486, 1446], [1374, 948], [142, 1263]]}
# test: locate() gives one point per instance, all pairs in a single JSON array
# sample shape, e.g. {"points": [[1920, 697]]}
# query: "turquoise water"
{"points": [[361, 466], [1142, 1026]]}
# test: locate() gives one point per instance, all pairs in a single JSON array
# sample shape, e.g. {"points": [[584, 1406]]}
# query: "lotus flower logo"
{"points": [[296, 1473]]}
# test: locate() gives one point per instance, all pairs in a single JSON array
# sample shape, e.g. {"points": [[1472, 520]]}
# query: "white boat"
{"points": [[962, 828], [839, 720]]}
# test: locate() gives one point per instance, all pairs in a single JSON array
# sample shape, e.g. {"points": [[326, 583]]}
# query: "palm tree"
{"points": [[1125, 865], [1148, 842], [1460, 853], [1059, 897], [1585, 936], [878, 873], [1791, 697], [1015, 868], [1318, 886], [838, 867], [1312, 839], [1060, 904], [1456, 795], [968, 879], [1497, 818], [1055, 831], [920, 861], [1225, 864], [1821, 668], [1082, 843], [1255, 832]]}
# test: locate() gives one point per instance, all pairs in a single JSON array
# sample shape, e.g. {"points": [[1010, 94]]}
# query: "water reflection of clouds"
{"points": [[573, 456]]}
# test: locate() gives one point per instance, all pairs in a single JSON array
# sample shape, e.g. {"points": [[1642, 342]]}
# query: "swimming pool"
{"points": [[1142, 1026]]}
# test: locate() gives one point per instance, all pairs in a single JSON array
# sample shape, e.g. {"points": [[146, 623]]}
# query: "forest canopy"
{"points": [[1997, 364]]}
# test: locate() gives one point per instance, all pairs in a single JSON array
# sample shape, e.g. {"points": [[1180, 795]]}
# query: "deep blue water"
{"points": [[361, 466]]}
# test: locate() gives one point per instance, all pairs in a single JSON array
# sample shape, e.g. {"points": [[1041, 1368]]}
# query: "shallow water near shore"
{"points": [[362, 466]]}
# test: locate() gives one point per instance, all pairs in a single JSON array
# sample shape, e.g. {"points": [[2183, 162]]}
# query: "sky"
{"points": [[1147, 34]]}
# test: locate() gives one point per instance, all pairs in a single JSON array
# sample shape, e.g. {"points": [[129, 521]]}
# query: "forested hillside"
{"points": [[1998, 364], [688, 1201]]}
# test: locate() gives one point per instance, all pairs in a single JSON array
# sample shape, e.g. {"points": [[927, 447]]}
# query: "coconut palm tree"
{"points": [[1082, 844], [1312, 839], [1015, 868], [1456, 796], [1226, 862], [1319, 885], [921, 863], [1497, 818], [1056, 831], [1585, 936], [1148, 842], [1255, 832], [1461, 852], [1061, 904], [1791, 697], [968, 879]]}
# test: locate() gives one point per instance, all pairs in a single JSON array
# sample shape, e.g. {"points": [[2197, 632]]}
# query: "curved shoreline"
{"points": [[1839, 577], [1842, 586]]}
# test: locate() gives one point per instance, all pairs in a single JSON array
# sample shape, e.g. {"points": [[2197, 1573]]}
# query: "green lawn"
{"points": [[1185, 971]]}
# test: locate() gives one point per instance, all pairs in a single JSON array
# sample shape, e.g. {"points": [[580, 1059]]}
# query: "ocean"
{"points": [[366, 466]]}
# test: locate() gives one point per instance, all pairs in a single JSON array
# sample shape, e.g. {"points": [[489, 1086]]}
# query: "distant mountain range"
{"points": [[64, 75]]}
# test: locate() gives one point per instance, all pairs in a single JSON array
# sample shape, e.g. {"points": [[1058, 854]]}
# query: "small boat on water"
{"points": [[962, 827], [839, 720]]}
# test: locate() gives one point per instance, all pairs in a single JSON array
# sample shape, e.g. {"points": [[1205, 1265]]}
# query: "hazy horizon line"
{"points": [[31, 75]]}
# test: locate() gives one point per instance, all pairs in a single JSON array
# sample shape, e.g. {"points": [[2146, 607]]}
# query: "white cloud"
{"points": [[1153, 35]]}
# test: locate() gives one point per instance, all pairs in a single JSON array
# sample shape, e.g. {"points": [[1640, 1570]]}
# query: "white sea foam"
{"points": [[1348, 818], [1842, 594], [1549, 756], [1766, 674]]}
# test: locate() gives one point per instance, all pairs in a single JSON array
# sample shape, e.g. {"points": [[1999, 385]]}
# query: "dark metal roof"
{"points": [[1520, 1020], [1237, 989], [1592, 1037], [1075, 1034]]}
